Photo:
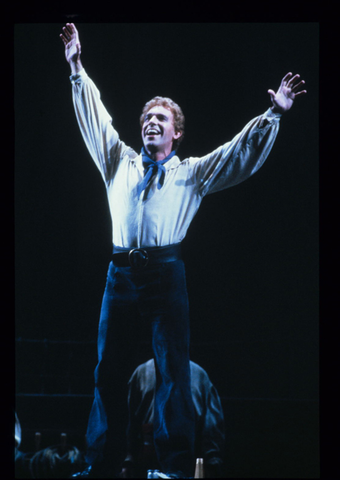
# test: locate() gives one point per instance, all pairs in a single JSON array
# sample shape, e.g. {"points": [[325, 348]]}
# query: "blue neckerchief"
{"points": [[152, 168]]}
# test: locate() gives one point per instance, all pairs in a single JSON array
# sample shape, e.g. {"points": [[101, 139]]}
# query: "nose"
{"points": [[152, 122], [152, 119]]}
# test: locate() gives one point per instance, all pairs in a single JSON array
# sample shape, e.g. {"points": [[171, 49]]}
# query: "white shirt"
{"points": [[162, 217]]}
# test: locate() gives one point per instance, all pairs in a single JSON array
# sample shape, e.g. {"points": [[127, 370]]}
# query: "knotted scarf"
{"points": [[151, 169]]}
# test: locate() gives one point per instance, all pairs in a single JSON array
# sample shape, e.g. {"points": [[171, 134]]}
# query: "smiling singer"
{"points": [[153, 197]]}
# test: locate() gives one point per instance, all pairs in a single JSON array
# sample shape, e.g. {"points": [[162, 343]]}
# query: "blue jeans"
{"points": [[136, 304]]}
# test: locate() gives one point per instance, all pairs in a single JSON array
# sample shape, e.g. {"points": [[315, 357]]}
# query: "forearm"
{"points": [[76, 66]]}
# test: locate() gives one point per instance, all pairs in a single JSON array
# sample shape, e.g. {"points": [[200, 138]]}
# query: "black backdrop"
{"points": [[251, 252]]}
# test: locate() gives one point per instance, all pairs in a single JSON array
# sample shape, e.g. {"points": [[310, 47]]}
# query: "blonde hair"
{"points": [[175, 109]]}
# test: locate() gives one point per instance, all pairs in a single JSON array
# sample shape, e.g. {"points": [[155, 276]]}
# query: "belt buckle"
{"points": [[138, 257]]}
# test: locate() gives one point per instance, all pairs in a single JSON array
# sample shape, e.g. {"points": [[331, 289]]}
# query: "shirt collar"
{"points": [[166, 159], [173, 162]]}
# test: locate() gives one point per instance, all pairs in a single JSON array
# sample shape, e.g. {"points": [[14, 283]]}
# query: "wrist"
{"points": [[276, 110], [76, 66]]}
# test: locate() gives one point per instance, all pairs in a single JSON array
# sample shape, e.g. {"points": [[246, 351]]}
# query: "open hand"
{"points": [[70, 38], [284, 98]]}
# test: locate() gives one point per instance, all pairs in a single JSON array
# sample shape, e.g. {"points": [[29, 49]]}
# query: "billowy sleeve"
{"points": [[235, 161], [95, 123]]}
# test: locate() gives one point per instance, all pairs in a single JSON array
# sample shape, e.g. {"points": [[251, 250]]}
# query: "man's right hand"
{"points": [[70, 38]]}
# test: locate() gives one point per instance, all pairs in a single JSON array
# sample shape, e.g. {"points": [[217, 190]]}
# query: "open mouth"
{"points": [[152, 132]]}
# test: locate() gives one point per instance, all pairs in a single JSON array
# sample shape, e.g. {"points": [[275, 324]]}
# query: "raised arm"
{"points": [[237, 160], [95, 123], [70, 38]]}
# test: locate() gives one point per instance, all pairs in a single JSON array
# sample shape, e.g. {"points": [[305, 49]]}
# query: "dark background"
{"points": [[251, 252]]}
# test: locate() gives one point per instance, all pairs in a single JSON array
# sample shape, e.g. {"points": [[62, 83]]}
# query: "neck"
{"points": [[157, 155]]}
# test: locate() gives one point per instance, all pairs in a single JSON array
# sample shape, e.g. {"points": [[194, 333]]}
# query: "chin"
{"points": [[151, 147]]}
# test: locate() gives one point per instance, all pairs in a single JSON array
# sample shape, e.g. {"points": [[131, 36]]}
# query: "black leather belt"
{"points": [[141, 257]]}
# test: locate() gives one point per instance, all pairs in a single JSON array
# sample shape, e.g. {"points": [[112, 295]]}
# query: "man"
{"points": [[153, 197], [209, 435]]}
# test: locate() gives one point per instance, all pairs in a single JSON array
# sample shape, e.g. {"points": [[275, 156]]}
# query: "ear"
{"points": [[177, 135]]}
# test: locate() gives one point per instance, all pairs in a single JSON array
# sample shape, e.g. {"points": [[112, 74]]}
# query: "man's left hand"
{"points": [[288, 91]]}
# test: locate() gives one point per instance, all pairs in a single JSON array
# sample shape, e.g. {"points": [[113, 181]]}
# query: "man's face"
{"points": [[158, 131]]}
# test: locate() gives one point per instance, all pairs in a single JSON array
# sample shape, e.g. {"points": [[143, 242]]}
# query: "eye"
{"points": [[160, 117]]}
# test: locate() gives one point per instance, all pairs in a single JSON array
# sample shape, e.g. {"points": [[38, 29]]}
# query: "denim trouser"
{"points": [[136, 304]]}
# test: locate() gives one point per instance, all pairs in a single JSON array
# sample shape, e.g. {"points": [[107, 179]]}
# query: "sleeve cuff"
{"points": [[270, 114], [81, 74]]}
